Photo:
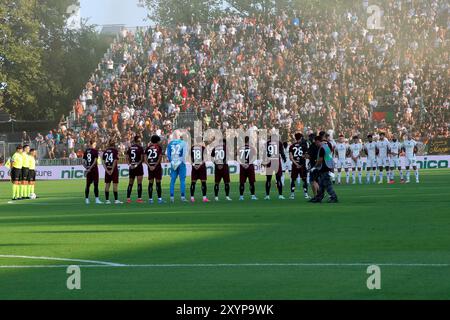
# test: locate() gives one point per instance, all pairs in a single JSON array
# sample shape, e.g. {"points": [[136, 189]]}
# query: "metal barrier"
{"points": [[41, 149], [60, 162], [185, 120], [10, 148], [69, 162], [3, 154]]}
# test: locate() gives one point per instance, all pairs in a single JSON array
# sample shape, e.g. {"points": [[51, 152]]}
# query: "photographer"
{"points": [[324, 165]]}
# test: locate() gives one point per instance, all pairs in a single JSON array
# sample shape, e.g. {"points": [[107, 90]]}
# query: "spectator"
{"points": [[50, 144], [26, 140]]}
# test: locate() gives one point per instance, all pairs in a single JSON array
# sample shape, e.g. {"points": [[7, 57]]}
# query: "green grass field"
{"points": [[240, 250]]}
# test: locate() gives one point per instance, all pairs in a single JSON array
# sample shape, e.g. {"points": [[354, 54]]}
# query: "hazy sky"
{"points": [[113, 12]]}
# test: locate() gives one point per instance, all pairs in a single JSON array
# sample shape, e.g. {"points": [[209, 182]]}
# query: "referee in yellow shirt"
{"points": [[25, 172], [16, 172], [32, 172]]}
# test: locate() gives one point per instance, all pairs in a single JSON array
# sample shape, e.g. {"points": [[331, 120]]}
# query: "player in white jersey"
{"points": [[331, 141], [332, 144], [395, 148], [286, 166], [355, 153], [410, 149], [383, 159], [370, 148], [341, 152]]}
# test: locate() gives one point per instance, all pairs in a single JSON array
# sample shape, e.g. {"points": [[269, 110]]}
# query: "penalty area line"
{"points": [[93, 262]]}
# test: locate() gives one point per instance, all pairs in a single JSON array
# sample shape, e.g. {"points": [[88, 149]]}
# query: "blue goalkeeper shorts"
{"points": [[174, 174]]}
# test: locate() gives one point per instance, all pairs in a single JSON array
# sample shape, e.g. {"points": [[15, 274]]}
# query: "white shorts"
{"points": [[286, 166], [383, 162], [394, 162], [356, 164], [371, 163], [341, 164], [410, 162]]}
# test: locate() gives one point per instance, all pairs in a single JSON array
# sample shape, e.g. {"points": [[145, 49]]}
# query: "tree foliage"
{"points": [[263, 7], [43, 63], [173, 12]]}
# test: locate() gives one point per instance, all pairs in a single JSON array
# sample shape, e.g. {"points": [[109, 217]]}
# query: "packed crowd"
{"points": [[325, 69]]}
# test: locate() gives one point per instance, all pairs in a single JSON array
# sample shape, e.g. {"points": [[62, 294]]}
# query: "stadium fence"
{"points": [[3, 149]]}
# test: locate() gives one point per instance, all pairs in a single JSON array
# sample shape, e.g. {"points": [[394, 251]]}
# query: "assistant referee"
{"points": [[25, 172], [16, 172]]}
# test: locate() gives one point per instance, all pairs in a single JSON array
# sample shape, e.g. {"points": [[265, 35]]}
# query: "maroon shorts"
{"points": [[155, 174], [137, 172], [298, 172], [92, 177], [114, 177], [248, 173], [199, 174], [223, 173], [274, 169]]}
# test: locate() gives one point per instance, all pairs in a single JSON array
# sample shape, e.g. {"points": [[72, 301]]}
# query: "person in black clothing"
{"points": [[312, 156], [324, 167]]}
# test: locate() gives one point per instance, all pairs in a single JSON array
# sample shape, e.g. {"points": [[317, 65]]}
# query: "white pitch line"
{"points": [[214, 265], [231, 265], [111, 264]]}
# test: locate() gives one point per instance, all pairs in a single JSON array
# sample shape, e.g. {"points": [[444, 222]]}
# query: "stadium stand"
{"points": [[321, 71]]}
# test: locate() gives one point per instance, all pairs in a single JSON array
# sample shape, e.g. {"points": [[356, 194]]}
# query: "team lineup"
{"points": [[298, 159], [383, 155], [316, 162]]}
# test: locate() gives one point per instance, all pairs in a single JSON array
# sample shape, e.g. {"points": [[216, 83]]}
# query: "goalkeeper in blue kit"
{"points": [[176, 153]]}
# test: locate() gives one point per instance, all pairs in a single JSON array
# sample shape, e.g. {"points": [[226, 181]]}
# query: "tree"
{"points": [[274, 7], [22, 55], [173, 12], [253, 7], [45, 64]]}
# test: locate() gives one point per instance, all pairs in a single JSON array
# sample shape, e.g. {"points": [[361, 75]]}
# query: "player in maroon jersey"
{"points": [[153, 157], [246, 157], [275, 152], [135, 157], [110, 164], [297, 152], [198, 169], [90, 158], [221, 169]]}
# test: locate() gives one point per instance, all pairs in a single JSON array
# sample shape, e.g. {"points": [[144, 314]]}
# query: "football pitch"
{"points": [[240, 250]]}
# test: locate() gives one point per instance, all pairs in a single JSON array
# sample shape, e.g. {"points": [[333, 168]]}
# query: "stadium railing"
{"points": [[185, 119], [3, 154], [69, 162], [11, 148], [60, 162], [8, 148]]}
